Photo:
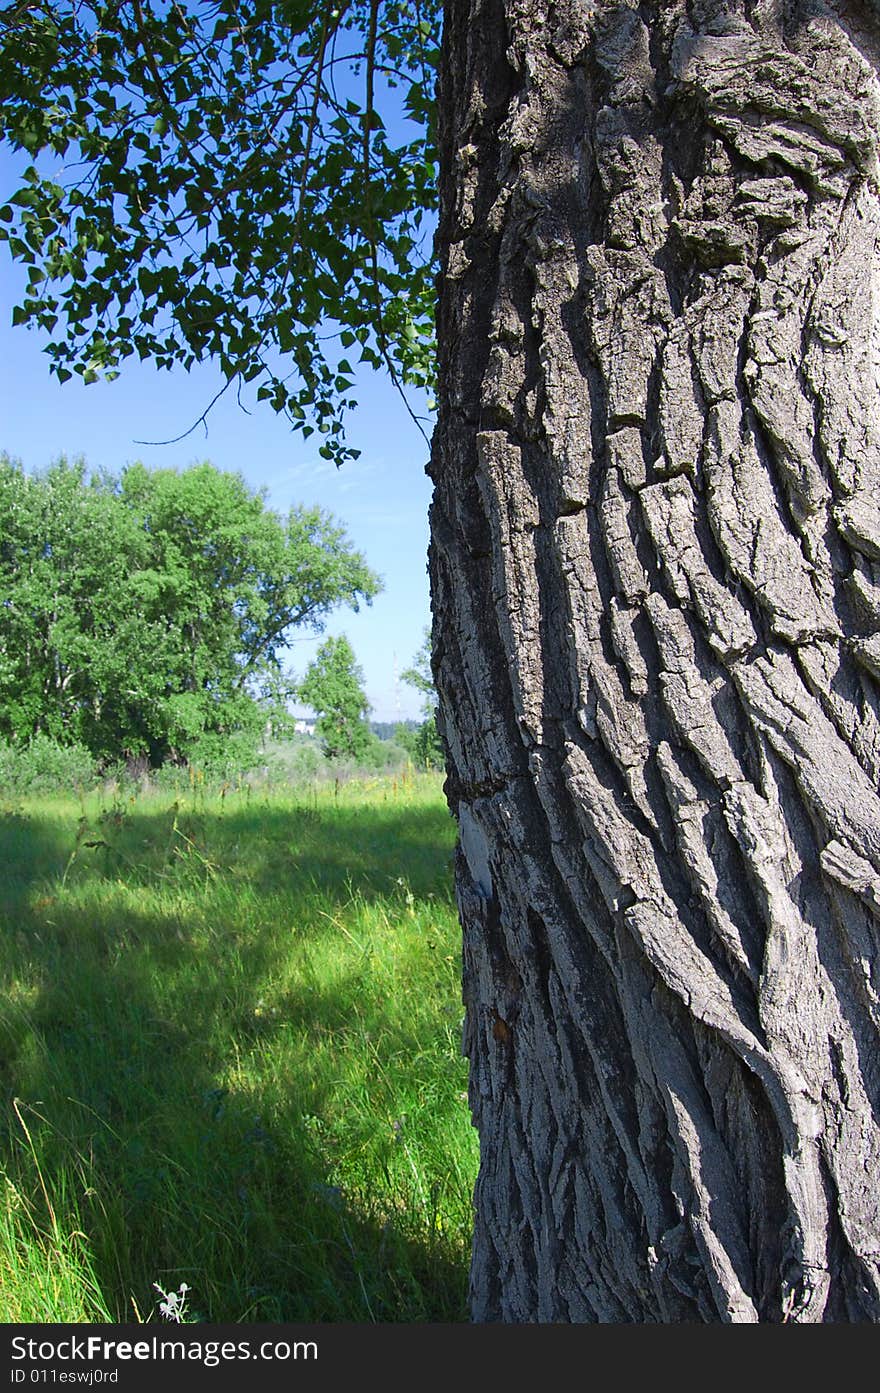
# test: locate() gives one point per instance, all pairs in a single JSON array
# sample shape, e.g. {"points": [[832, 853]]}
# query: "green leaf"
{"points": [[191, 224]]}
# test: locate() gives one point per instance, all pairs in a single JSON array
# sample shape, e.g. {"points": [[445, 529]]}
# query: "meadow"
{"points": [[230, 1027]]}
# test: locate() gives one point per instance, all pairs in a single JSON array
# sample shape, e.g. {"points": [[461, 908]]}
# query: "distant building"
{"points": [[304, 727]]}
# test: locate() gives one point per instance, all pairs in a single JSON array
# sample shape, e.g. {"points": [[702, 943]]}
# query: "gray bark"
{"points": [[655, 568]]}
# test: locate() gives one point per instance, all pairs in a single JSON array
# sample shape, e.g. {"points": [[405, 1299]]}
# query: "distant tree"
{"points": [[333, 687], [419, 676], [423, 743], [390, 730], [146, 615]]}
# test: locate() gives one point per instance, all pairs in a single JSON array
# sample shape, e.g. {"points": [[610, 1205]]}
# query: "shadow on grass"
{"points": [[192, 1134], [367, 850]]}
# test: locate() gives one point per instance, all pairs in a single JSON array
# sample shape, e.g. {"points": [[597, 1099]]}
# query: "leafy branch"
{"points": [[193, 192]]}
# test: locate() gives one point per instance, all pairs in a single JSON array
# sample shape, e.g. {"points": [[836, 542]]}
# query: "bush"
{"points": [[428, 749], [382, 756], [44, 766], [298, 762], [224, 756], [422, 743], [302, 760]]}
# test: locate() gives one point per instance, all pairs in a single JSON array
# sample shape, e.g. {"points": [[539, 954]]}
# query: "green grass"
{"points": [[229, 1048]]}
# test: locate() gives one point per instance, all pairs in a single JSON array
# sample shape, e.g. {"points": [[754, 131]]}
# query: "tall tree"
{"points": [[657, 626], [148, 614], [334, 688], [655, 586], [71, 638]]}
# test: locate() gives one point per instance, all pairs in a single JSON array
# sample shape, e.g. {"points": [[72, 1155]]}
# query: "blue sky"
{"points": [[382, 498]]}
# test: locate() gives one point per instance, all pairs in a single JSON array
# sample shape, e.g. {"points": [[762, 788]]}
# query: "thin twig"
{"points": [[202, 421]]}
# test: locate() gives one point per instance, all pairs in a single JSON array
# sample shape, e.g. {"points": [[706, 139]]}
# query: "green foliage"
{"points": [[383, 755], [424, 743], [334, 688], [214, 181], [43, 766], [296, 761], [225, 755], [427, 749], [145, 615], [419, 675], [302, 760]]}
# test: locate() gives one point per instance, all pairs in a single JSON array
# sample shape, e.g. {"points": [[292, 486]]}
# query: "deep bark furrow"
{"points": [[656, 578]]}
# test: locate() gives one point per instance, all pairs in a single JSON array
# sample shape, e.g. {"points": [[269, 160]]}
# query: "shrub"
{"points": [[44, 766], [422, 743], [223, 756]]}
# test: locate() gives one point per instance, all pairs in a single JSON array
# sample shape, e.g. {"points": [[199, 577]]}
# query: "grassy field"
{"points": [[229, 1053]]}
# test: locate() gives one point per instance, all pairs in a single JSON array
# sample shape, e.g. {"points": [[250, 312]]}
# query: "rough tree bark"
{"points": [[655, 564]]}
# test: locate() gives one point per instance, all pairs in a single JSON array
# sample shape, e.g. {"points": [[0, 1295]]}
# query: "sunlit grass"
{"points": [[230, 1047]]}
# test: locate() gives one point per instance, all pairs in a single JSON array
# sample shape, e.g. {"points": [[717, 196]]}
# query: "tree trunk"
{"points": [[655, 564]]}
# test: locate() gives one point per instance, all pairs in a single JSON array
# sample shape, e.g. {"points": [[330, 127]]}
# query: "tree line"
{"points": [[143, 616]]}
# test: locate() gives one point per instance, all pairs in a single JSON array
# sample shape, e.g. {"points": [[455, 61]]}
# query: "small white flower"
{"points": [[173, 1303]]}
